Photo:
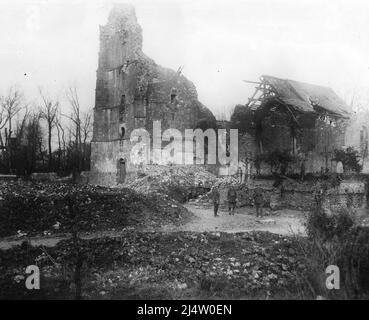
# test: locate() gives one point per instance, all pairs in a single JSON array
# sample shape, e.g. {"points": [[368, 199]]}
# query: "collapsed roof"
{"points": [[303, 97]]}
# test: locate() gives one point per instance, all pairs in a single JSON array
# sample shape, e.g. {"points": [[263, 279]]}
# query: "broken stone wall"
{"points": [[315, 144], [296, 195]]}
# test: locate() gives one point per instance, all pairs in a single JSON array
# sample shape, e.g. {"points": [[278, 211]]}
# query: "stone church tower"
{"points": [[132, 91]]}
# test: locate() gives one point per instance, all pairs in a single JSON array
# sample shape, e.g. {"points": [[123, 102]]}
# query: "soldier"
{"points": [[215, 196], [258, 201], [319, 193], [232, 199]]}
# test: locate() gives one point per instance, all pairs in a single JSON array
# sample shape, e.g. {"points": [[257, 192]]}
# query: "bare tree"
{"points": [[75, 117], [3, 121], [33, 136], [86, 129], [49, 111], [62, 144], [20, 126], [11, 105], [86, 123]]}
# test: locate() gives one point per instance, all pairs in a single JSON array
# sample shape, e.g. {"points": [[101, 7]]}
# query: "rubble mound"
{"points": [[30, 208], [177, 182], [223, 183], [213, 265]]}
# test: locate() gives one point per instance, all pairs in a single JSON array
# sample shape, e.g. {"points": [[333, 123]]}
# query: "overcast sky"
{"points": [[54, 44]]}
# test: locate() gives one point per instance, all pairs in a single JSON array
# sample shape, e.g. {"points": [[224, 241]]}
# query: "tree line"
{"points": [[44, 136]]}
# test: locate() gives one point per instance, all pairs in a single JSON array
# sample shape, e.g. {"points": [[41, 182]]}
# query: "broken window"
{"points": [[122, 132], [293, 140], [122, 107]]}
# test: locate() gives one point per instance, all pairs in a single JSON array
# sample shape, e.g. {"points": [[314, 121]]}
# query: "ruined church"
{"points": [[132, 91]]}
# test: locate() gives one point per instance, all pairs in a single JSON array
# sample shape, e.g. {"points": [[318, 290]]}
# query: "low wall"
{"points": [[50, 177], [298, 195], [44, 176], [8, 177]]}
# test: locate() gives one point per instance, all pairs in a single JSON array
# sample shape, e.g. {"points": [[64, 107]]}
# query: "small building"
{"points": [[305, 119]]}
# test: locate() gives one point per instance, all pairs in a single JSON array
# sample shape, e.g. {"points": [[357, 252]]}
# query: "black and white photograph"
{"points": [[203, 151]]}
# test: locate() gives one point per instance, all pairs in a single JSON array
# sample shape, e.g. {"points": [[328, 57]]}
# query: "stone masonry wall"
{"points": [[297, 195], [132, 91]]}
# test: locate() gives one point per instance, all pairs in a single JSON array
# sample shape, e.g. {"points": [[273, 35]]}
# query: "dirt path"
{"points": [[282, 222], [51, 241]]}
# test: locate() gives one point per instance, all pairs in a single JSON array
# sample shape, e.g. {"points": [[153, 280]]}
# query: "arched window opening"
{"points": [[121, 171], [122, 132]]}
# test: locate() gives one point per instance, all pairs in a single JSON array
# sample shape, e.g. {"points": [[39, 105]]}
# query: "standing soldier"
{"points": [[232, 199], [259, 201], [214, 193], [319, 194]]}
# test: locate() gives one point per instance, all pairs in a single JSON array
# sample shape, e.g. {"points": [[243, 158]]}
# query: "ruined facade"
{"points": [[307, 120], [132, 91]]}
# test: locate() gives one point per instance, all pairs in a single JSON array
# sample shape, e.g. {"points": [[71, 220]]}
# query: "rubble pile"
{"points": [[223, 183], [222, 264], [30, 208], [178, 182], [227, 181]]}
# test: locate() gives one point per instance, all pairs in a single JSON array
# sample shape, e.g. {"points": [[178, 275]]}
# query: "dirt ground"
{"points": [[284, 222]]}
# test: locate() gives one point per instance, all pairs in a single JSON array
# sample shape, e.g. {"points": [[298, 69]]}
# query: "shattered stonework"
{"points": [[132, 91]]}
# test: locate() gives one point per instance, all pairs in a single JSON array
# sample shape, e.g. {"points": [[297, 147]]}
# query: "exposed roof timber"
{"points": [[265, 91], [299, 96], [255, 82]]}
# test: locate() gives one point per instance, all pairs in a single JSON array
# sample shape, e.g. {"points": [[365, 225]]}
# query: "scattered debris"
{"points": [[229, 265], [30, 208]]}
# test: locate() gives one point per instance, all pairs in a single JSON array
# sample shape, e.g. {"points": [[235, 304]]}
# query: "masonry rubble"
{"points": [[193, 180]]}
